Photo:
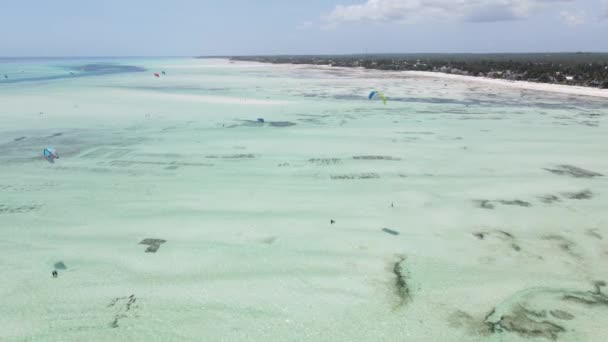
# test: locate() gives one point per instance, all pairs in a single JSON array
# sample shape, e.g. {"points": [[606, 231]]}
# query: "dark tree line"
{"points": [[584, 69]]}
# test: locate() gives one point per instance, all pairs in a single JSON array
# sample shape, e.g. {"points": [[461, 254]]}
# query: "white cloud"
{"points": [[417, 10], [573, 18]]}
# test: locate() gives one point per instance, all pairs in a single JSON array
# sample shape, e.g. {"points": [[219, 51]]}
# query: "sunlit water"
{"points": [[496, 194]]}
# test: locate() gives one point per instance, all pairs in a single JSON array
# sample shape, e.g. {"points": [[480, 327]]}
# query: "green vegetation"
{"points": [[582, 69]]}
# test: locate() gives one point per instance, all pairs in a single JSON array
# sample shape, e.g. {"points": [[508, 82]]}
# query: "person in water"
{"points": [[332, 221], [54, 273]]}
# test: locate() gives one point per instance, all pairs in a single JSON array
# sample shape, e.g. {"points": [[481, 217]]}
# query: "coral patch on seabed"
{"points": [[60, 266], [490, 204], [501, 235], [153, 244], [401, 286], [324, 161], [580, 195], [369, 175], [269, 240], [563, 315], [18, 209], [595, 233], [515, 202], [548, 199], [526, 323], [390, 231], [573, 171], [125, 307], [564, 244], [233, 156], [544, 312], [281, 123], [484, 204], [376, 158]]}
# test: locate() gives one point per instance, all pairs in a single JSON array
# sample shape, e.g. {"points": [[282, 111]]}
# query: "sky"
{"points": [[42, 28]]}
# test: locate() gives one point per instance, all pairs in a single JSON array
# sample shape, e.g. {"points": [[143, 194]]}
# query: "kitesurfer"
{"points": [[50, 154], [377, 95]]}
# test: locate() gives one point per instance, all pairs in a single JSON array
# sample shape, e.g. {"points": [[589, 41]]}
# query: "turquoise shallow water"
{"points": [[477, 180]]}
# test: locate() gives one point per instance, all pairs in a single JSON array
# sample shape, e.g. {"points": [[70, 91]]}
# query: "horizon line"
{"points": [[311, 54]]}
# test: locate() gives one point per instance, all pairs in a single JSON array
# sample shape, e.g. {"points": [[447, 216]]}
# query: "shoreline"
{"points": [[544, 87], [525, 85]]}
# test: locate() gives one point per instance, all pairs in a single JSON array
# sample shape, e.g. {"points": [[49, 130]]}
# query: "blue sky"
{"points": [[235, 27]]}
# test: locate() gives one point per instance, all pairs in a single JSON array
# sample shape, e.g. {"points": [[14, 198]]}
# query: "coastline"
{"points": [[524, 85], [545, 87], [453, 206]]}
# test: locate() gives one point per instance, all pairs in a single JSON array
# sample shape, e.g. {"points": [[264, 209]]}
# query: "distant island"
{"points": [[580, 69]]}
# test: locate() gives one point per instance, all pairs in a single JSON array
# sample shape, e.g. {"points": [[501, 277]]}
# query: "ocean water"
{"points": [[462, 211]]}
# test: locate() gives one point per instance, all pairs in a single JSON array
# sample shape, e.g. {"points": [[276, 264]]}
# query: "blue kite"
{"points": [[50, 154]]}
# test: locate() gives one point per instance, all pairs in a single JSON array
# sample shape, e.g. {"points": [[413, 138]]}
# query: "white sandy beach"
{"points": [[544, 87], [540, 87]]}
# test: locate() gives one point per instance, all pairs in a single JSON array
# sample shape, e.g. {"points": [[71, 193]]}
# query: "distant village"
{"points": [[581, 69]]}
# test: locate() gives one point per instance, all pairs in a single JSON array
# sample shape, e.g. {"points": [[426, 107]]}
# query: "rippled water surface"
{"points": [[199, 204]]}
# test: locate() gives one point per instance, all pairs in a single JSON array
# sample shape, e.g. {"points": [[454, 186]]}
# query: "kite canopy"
{"points": [[50, 154], [377, 95]]}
